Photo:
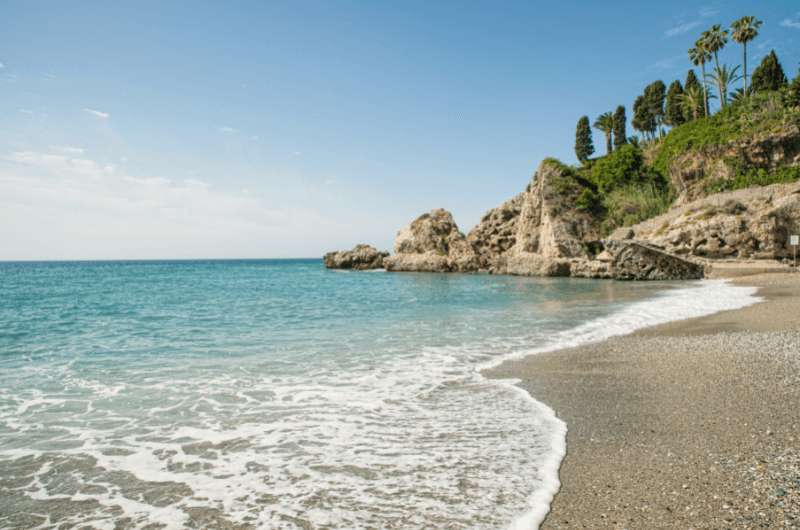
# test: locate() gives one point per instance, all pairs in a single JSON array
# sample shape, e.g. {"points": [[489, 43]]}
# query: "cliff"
{"points": [[718, 188]]}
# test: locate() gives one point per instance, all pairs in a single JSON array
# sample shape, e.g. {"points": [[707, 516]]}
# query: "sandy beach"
{"points": [[693, 424]]}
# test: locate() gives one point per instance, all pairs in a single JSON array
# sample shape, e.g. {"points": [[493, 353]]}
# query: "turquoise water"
{"points": [[278, 394]]}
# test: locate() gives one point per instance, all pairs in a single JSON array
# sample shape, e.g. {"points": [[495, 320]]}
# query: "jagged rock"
{"points": [[537, 232], [361, 257], [634, 260], [432, 243], [753, 223]]}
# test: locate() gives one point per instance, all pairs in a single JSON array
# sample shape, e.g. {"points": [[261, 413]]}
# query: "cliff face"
{"points": [[538, 231], [753, 223], [692, 172]]}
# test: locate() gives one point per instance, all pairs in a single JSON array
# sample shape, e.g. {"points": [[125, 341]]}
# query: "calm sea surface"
{"points": [[278, 394]]}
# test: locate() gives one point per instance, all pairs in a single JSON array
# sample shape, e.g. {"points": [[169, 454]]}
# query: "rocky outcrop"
{"points": [[634, 260], [539, 231], [432, 243], [753, 223], [692, 171], [361, 257]]}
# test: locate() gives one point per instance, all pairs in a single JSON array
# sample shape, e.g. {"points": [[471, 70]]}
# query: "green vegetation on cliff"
{"points": [[753, 138]]}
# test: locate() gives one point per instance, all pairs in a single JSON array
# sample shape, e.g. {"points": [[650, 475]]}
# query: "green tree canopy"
{"points": [[583, 139], [673, 112], [643, 120], [769, 75], [654, 95], [620, 137], [692, 85]]}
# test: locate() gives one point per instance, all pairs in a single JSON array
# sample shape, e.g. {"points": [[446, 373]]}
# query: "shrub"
{"points": [[635, 203], [754, 177]]}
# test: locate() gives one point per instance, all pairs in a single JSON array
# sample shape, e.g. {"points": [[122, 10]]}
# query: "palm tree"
{"points": [[605, 123], [699, 56], [714, 39], [724, 78], [692, 101], [744, 30]]}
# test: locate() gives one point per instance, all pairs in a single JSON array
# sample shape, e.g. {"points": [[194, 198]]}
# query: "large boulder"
{"points": [[361, 257], [432, 243], [634, 260]]}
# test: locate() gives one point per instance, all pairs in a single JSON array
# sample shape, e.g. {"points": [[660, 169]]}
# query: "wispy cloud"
{"points": [[2, 65], [793, 23], [681, 28], [708, 11], [687, 22], [29, 112], [668, 63], [227, 130], [99, 113], [68, 149]]}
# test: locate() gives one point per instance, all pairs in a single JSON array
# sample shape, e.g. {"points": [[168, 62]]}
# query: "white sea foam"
{"points": [[412, 439], [696, 300]]}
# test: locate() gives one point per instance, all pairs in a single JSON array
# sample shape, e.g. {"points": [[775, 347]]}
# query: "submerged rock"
{"points": [[361, 257], [432, 243]]}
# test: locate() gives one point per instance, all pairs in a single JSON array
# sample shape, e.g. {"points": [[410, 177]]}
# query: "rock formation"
{"points": [[539, 231], [361, 257], [753, 223], [432, 243]]}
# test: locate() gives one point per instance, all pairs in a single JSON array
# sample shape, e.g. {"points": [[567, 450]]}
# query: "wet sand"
{"points": [[692, 424]]}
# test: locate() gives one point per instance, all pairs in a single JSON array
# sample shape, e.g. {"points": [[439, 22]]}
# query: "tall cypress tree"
{"points": [[769, 75], [583, 139], [642, 121], [673, 111], [654, 95], [620, 138]]}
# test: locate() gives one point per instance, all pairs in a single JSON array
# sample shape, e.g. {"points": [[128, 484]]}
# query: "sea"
{"points": [[278, 394]]}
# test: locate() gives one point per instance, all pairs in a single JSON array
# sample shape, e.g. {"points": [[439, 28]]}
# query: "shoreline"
{"points": [[688, 424]]}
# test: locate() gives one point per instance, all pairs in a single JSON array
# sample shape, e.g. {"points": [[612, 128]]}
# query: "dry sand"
{"points": [[693, 424]]}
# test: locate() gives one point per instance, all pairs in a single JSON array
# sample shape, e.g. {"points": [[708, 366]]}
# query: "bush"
{"points": [[754, 177], [619, 168], [635, 203]]}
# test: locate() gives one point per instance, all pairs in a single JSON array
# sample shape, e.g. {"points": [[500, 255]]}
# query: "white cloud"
{"points": [[227, 130], [62, 205], [2, 65], [791, 22], [100, 114], [681, 28], [26, 111], [68, 149]]}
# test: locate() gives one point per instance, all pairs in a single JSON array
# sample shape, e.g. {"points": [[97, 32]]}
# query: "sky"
{"points": [[179, 130]]}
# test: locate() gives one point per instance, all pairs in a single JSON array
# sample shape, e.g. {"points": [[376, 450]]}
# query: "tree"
{"points": [[724, 78], [769, 74], [793, 92], [690, 84], [692, 102], [714, 39], [643, 119], [744, 30], [620, 137], [673, 111], [583, 139], [605, 123], [654, 95], [699, 56]]}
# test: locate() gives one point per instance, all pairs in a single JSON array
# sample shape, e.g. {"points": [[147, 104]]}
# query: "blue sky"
{"points": [[278, 129]]}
